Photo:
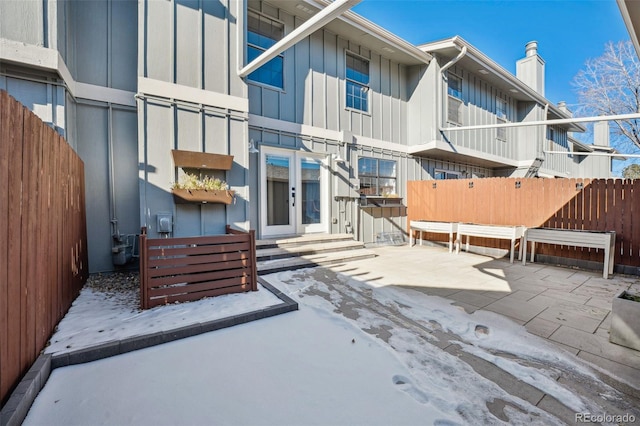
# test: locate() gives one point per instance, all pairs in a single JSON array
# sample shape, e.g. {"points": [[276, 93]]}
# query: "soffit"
{"points": [[358, 30], [630, 11]]}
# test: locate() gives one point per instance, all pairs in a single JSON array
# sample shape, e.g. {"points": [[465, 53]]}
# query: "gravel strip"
{"points": [[124, 287]]}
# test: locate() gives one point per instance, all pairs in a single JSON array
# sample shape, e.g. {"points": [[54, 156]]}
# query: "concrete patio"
{"points": [[570, 308]]}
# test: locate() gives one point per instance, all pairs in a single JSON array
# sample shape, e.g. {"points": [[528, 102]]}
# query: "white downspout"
{"points": [[439, 93]]}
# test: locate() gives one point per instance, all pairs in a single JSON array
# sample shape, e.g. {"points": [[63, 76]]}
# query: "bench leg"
{"points": [[607, 262], [611, 257], [520, 249], [458, 243], [467, 245], [513, 247], [533, 250], [523, 250], [421, 237], [450, 242], [411, 231]]}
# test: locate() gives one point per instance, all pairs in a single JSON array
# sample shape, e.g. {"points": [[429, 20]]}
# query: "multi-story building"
{"points": [[324, 134]]}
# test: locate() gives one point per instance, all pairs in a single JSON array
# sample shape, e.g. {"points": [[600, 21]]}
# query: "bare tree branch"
{"points": [[610, 85]]}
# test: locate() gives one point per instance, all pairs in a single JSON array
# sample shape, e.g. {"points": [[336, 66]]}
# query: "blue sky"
{"points": [[568, 32]]}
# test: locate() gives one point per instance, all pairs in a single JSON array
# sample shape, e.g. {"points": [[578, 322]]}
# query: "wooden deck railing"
{"points": [[190, 268], [43, 237]]}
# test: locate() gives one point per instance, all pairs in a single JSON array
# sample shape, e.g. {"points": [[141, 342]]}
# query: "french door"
{"points": [[294, 192]]}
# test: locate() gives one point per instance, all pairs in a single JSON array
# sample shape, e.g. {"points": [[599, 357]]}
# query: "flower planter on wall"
{"points": [[625, 321], [187, 196]]}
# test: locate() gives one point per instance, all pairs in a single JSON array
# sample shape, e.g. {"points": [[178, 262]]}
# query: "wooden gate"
{"points": [[190, 268]]}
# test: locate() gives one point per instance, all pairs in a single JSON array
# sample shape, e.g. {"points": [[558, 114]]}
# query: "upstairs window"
{"points": [[357, 83], [454, 104], [454, 86], [501, 108], [501, 114], [262, 33], [551, 137], [377, 176], [440, 174]]}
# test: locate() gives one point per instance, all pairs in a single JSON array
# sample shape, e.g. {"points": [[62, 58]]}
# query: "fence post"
{"points": [[254, 263], [143, 268]]}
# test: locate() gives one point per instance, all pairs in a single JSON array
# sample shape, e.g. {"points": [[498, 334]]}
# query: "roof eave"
{"points": [[356, 20], [458, 42]]}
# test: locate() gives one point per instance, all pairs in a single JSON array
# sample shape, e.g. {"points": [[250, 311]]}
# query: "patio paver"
{"points": [[568, 307]]}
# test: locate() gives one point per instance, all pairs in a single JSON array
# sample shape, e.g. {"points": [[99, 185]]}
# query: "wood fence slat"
{"points": [[195, 260], [189, 297], [30, 232], [182, 271], [194, 288], [5, 129], [197, 249], [40, 250], [634, 221], [196, 277], [616, 215], [14, 189], [206, 240]]}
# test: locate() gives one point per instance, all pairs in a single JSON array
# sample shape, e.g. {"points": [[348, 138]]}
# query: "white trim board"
{"points": [[50, 59], [322, 133], [163, 89]]}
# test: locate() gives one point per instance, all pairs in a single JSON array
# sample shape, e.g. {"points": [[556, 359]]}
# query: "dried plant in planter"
{"points": [[192, 182], [192, 189]]}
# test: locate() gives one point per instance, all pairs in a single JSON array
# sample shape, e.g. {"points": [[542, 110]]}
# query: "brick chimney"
{"points": [[530, 69]]}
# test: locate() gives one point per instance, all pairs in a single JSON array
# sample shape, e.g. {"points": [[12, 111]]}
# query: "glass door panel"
{"points": [[278, 184], [310, 194]]}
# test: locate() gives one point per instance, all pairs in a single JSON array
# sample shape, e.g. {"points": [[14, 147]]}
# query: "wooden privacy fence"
{"points": [[185, 269], [43, 240], [585, 204]]}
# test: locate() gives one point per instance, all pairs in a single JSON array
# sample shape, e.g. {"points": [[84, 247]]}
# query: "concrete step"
{"points": [[308, 261], [307, 249], [302, 240]]}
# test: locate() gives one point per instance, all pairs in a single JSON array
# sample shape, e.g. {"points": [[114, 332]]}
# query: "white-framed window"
{"points": [[454, 85], [441, 174], [377, 176], [262, 33], [551, 137], [454, 101], [501, 114], [357, 82]]}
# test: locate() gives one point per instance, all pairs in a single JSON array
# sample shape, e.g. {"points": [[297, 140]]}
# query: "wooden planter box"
{"points": [[625, 322], [186, 196]]}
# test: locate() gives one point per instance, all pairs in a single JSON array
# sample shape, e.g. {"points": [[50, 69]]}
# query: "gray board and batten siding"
{"points": [[97, 40], [199, 53]]}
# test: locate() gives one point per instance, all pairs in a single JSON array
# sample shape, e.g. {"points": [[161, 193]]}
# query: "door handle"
{"points": [[293, 197]]}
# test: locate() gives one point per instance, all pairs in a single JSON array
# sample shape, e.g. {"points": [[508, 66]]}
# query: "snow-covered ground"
{"points": [[354, 354], [97, 317]]}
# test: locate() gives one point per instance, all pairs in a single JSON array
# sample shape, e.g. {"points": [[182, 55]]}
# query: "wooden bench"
{"points": [[576, 238], [491, 231], [435, 227]]}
